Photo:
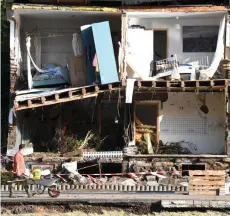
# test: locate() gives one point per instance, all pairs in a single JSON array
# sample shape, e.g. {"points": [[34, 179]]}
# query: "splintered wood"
{"points": [[206, 182]]}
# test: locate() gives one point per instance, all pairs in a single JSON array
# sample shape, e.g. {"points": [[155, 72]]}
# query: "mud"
{"points": [[135, 208]]}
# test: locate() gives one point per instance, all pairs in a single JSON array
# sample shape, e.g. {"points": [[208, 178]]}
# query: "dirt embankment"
{"points": [[121, 209]]}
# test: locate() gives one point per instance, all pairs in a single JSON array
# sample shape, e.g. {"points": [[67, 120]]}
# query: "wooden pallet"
{"points": [[206, 182]]}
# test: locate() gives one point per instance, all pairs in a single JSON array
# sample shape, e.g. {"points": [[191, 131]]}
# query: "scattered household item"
{"points": [[129, 182], [97, 39], [77, 70], [167, 67]]}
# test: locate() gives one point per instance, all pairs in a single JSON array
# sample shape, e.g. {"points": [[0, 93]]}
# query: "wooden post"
{"points": [[99, 115], [123, 48], [227, 96], [29, 76], [133, 111]]}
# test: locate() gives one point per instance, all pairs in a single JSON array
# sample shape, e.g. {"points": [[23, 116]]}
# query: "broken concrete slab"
{"points": [[152, 183], [130, 182]]}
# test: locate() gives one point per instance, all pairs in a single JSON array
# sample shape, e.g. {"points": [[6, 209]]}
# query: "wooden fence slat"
{"points": [[207, 172]]}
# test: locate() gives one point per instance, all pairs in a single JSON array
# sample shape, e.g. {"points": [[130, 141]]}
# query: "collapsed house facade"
{"points": [[151, 82]]}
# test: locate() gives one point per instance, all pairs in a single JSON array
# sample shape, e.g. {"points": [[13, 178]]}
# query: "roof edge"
{"points": [[175, 9], [120, 9], [63, 8]]}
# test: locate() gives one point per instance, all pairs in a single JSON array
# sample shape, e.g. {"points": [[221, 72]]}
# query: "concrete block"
{"points": [[151, 178], [205, 203], [197, 203], [152, 183], [221, 191]]}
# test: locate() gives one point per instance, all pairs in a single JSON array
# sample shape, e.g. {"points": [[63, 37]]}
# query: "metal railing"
{"points": [[166, 65]]}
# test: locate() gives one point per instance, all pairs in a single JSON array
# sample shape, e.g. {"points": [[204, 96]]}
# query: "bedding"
{"points": [[54, 75]]}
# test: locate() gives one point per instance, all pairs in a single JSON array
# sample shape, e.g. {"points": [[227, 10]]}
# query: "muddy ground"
{"points": [[72, 209]]}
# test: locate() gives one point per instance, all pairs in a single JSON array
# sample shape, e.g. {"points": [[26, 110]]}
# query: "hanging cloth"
{"points": [[77, 44], [95, 63], [37, 45], [28, 45], [209, 72]]}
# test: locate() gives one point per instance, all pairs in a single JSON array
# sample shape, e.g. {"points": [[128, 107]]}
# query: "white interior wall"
{"points": [[175, 40], [59, 49], [182, 120]]}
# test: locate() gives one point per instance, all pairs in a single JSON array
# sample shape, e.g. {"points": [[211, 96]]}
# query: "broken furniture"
{"points": [[97, 40], [77, 70], [171, 68]]}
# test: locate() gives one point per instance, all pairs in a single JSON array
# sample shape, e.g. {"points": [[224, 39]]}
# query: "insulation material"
{"points": [[209, 72], [129, 90]]}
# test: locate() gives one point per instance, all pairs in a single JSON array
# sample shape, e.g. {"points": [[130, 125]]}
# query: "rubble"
{"points": [[129, 182]]}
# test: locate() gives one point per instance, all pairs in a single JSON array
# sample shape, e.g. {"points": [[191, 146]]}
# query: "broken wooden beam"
{"points": [[43, 100], [56, 97]]}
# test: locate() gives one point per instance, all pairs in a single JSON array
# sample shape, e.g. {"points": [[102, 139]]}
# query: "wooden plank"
{"points": [[83, 91], [56, 97], [110, 87], [99, 116], [203, 183], [168, 84], [70, 94], [43, 100], [29, 102], [14, 181], [62, 100], [204, 187], [210, 178], [209, 193], [144, 126], [182, 85], [97, 88], [207, 172], [212, 83], [139, 83], [153, 84], [143, 130]]}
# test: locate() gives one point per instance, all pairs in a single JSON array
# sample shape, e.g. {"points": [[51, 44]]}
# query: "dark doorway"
{"points": [[160, 44]]}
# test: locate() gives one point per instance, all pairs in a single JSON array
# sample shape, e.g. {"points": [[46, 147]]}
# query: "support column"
{"points": [[123, 49], [227, 96]]}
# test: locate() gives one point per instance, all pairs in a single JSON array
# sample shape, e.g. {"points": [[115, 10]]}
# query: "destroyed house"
{"points": [[125, 84]]}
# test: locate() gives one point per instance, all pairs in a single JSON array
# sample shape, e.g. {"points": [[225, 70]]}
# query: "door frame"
{"points": [[157, 103], [167, 37]]}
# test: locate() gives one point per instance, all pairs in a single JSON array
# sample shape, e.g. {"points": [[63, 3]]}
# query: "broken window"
{"points": [[200, 38]]}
